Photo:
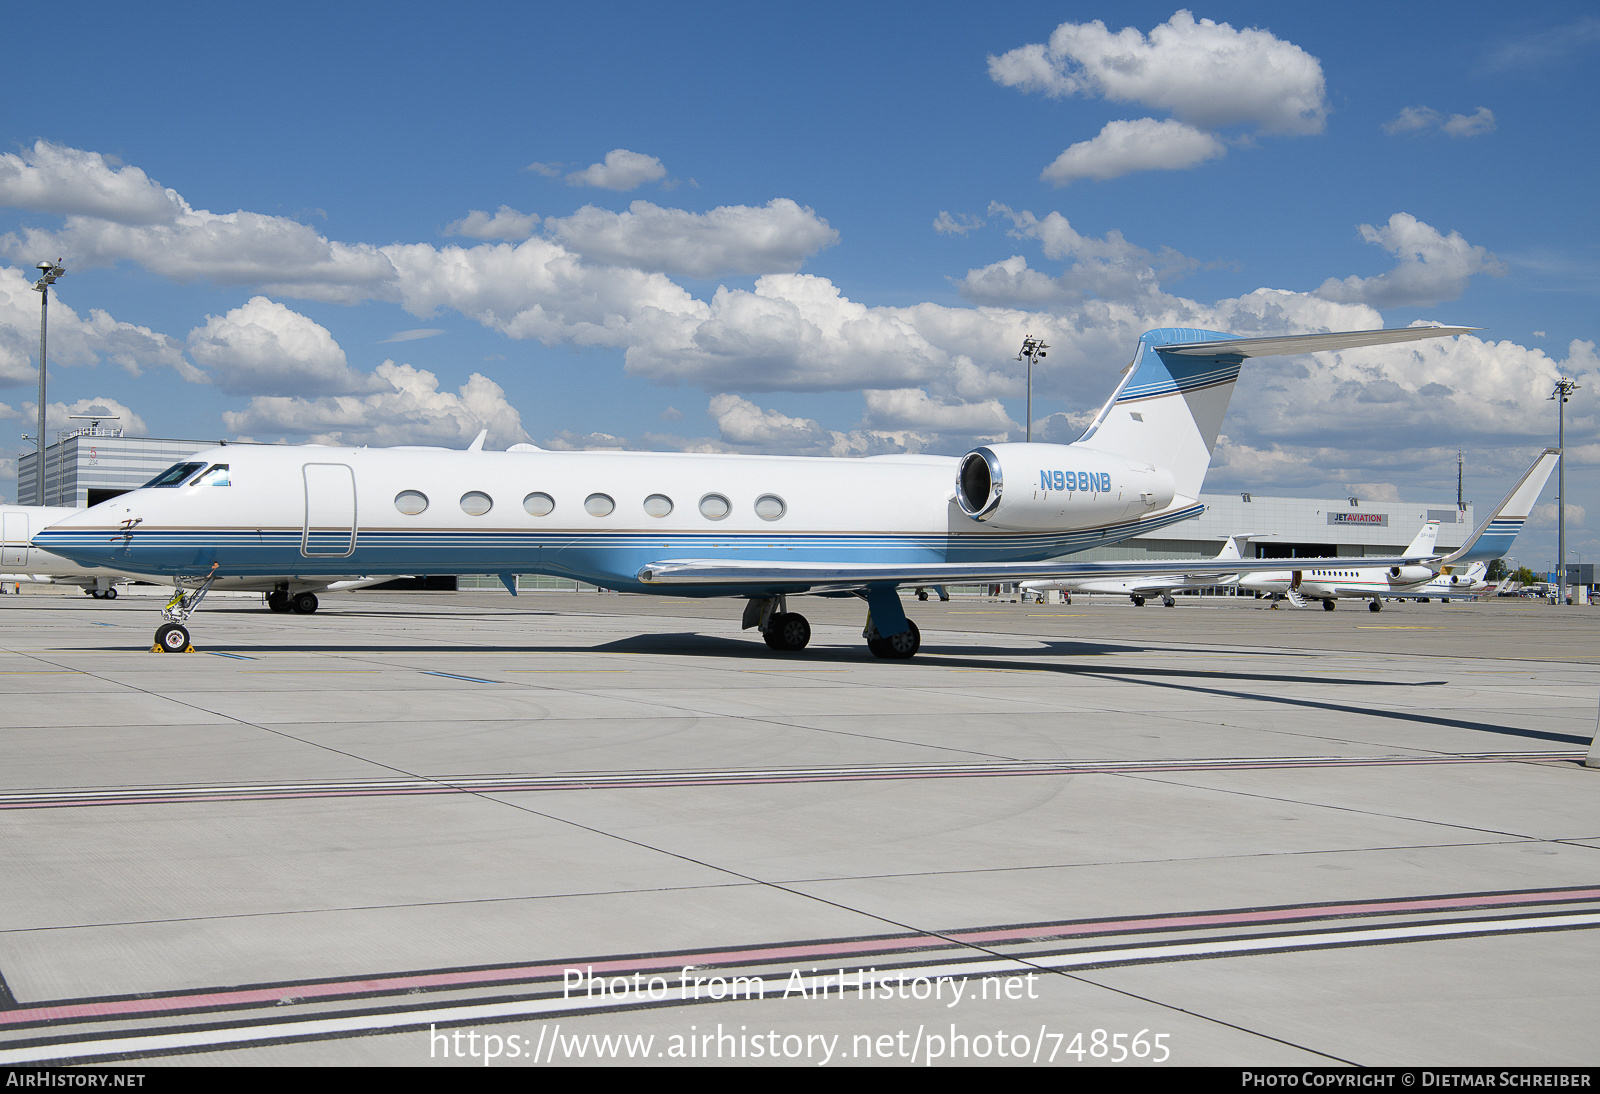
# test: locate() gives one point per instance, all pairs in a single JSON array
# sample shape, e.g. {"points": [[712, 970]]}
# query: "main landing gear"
{"points": [[172, 636], [280, 600], [789, 632], [783, 630], [1375, 606]]}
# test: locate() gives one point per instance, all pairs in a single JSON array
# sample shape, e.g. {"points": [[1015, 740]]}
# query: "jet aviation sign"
{"points": [[1370, 520]]}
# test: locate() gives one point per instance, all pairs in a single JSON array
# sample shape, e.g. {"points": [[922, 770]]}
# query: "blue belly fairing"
{"points": [[610, 559]]}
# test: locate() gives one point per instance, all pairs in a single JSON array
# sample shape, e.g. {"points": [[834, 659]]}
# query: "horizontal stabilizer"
{"points": [[1311, 343]]}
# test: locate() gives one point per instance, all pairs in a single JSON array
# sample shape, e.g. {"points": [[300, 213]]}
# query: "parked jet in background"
{"points": [[1140, 588], [1330, 580], [762, 528], [1468, 584], [26, 564]]}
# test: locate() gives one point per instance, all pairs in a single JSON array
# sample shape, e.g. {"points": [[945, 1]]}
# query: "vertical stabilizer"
{"points": [[1426, 538], [1169, 408]]}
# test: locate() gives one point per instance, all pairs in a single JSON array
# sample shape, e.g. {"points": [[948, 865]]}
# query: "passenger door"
{"points": [[330, 528]]}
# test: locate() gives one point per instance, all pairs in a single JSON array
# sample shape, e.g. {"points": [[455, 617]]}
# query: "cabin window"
{"points": [[475, 503], [175, 475], [715, 507], [215, 475], [411, 502], [658, 505], [539, 504], [770, 507], [598, 505]]}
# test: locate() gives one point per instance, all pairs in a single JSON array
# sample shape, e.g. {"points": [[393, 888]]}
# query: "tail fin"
{"points": [[1168, 409], [1494, 536], [1426, 538], [1230, 546]]}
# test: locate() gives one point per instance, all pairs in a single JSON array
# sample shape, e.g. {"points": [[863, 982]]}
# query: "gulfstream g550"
{"points": [[763, 528]]}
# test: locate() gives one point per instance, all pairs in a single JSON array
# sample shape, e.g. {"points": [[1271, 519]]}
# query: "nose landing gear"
{"points": [[172, 636]]}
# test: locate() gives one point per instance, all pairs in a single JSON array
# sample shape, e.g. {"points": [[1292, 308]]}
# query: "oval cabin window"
{"points": [[411, 502], [598, 505], [539, 505], [657, 505], [770, 507], [475, 503], [715, 507]]}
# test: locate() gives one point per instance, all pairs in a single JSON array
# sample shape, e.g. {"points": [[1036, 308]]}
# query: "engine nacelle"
{"points": [[1031, 487], [1410, 575]]}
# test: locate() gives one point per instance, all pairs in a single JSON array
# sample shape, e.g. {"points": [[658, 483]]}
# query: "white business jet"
{"points": [[1350, 578], [25, 564], [1141, 588], [762, 528], [1468, 584], [22, 563]]}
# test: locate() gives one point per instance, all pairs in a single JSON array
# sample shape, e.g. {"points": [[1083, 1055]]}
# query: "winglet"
{"points": [[477, 442], [1493, 537]]}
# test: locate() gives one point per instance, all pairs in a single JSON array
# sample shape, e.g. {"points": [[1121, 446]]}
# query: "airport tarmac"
{"points": [[426, 829]]}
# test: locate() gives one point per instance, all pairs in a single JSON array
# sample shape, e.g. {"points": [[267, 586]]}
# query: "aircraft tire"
{"points": [[1328, 605], [171, 638], [901, 647], [1374, 607], [787, 632], [278, 602], [111, 594], [1138, 601], [304, 604], [1168, 602]]}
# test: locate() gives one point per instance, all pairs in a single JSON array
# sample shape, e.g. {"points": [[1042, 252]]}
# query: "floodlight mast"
{"points": [[1032, 350], [1563, 392], [48, 273]]}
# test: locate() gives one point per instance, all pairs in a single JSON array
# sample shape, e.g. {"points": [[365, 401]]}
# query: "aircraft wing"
{"points": [[847, 576]]}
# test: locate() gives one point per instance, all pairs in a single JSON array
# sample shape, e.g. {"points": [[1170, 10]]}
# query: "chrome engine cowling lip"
{"points": [[991, 501]]}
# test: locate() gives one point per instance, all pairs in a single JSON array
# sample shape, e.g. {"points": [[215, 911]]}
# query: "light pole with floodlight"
{"points": [[1032, 349], [1563, 392], [48, 272]]}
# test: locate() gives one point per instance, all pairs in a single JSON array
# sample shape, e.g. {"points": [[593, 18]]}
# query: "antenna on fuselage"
{"points": [[477, 442]]}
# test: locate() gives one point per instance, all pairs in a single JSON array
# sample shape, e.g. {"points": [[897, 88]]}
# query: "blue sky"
{"points": [[754, 228]]}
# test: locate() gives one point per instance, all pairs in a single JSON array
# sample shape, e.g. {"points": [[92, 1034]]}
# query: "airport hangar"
{"points": [[89, 465]]}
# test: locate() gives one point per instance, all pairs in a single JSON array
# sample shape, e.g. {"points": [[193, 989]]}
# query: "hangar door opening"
{"points": [[330, 529]]}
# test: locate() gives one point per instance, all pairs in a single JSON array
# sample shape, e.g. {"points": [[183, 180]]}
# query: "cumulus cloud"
{"points": [[1141, 145], [960, 225], [746, 427], [1545, 516], [1205, 74], [1419, 119], [730, 239], [412, 410], [913, 408], [1373, 491], [1433, 267], [51, 178], [505, 224], [621, 170], [264, 348], [1109, 267], [74, 340]]}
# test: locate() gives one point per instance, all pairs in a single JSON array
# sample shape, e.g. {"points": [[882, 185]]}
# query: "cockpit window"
{"points": [[215, 475], [174, 475]]}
